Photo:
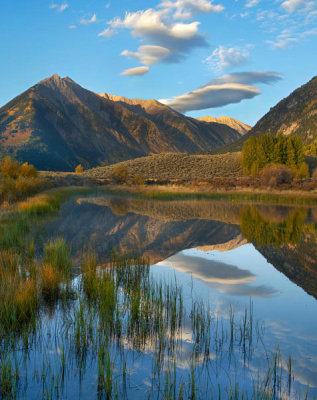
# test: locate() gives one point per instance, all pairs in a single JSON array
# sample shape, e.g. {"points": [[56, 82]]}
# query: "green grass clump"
{"points": [[19, 295]]}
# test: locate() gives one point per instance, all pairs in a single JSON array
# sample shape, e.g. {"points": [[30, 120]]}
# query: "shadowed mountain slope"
{"points": [[294, 115], [57, 124]]}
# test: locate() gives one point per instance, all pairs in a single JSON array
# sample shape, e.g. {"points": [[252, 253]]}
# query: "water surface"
{"points": [[254, 264]]}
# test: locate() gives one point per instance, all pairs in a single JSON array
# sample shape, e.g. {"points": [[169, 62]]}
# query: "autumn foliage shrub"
{"points": [[138, 180], [120, 173], [79, 169], [18, 181], [276, 174]]}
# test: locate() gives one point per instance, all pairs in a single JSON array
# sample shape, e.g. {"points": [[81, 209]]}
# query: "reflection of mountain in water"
{"points": [[298, 262], [95, 224], [159, 229]]}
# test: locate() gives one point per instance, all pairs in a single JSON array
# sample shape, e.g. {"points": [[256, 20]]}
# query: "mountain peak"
{"points": [[54, 78], [232, 122], [61, 124]]}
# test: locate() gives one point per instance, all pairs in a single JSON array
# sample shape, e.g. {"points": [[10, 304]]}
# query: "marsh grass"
{"points": [[121, 313], [170, 193], [19, 296], [23, 284]]}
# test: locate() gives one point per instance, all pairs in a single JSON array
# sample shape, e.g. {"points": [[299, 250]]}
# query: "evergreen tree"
{"points": [[269, 149]]}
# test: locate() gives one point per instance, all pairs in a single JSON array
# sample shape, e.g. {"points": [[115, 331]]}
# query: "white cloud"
{"points": [[63, 7], [72, 27], [223, 57], [287, 38], [252, 3], [225, 90], [108, 32], [152, 25], [248, 78], [187, 9], [148, 55], [91, 20], [212, 96], [60, 8], [138, 71], [291, 5]]}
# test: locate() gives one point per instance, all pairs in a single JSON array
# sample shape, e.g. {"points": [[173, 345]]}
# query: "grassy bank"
{"points": [[168, 192]]}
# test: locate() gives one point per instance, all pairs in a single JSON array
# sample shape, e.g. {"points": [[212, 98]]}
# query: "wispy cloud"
{"points": [[252, 3], [87, 21], [138, 71], [292, 5], [225, 57], [288, 37], [108, 32], [228, 89], [60, 7], [187, 9]]}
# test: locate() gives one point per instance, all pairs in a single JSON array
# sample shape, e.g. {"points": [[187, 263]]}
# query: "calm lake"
{"points": [[240, 280]]}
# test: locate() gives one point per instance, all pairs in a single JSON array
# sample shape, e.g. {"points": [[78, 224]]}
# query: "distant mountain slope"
{"points": [[57, 124], [294, 115], [232, 122]]}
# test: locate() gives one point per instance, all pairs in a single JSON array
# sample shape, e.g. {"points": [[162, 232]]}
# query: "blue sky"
{"points": [[203, 57]]}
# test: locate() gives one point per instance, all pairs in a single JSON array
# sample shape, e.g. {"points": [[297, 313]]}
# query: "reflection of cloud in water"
{"points": [[226, 278]]}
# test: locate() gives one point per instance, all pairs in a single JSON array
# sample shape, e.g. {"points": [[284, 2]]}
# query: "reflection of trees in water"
{"points": [[119, 206], [255, 228]]}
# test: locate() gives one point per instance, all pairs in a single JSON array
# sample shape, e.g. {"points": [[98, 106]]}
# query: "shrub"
{"points": [[139, 180], [120, 173], [18, 182], [276, 174], [9, 168], [303, 171], [27, 171], [79, 169]]}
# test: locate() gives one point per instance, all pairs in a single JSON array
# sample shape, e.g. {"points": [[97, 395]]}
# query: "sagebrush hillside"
{"points": [[177, 166]]}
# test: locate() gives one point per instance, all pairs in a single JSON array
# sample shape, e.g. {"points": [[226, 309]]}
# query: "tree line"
{"points": [[258, 152]]}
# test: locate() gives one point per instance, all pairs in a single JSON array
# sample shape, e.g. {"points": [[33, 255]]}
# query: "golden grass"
{"points": [[19, 300], [36, 205], [50, 281]]}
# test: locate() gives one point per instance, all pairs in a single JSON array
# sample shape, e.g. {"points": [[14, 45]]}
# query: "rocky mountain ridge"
{"points": [[232, 122], [57, 125]]}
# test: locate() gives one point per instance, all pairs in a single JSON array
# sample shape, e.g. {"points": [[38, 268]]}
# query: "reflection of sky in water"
{"points": [[233, 277]]}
